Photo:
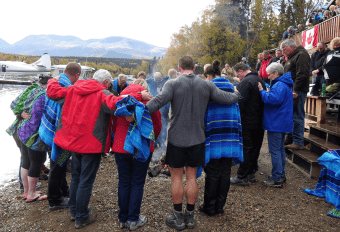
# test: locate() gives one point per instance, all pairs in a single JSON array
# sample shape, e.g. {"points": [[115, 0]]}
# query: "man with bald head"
{"points": [[57, 185]]}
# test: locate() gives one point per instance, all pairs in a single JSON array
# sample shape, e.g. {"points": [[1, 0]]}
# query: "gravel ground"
{"points": [[253, 208]]}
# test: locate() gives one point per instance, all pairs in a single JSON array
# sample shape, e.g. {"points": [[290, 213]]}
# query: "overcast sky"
{"points": [[150, 21]]}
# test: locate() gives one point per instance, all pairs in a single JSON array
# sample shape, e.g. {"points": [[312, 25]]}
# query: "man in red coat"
{"points": [[266, 59], [84, 131]]}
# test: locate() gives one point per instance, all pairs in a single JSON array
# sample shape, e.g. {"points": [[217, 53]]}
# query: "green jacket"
{"points": [[299, 65]]}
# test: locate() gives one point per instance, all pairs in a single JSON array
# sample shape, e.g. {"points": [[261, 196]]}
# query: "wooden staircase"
{"points": [[322, 134]]}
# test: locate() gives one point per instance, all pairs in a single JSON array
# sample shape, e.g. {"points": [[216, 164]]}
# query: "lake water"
{"points": [[10, 154]]}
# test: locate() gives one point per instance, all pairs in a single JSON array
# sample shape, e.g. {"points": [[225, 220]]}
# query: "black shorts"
{"points": [[179, 157]]}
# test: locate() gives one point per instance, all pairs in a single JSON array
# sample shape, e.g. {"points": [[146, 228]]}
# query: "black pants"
{"points": [[57, 184], [217, 183], [252, 142], [32, 160]]}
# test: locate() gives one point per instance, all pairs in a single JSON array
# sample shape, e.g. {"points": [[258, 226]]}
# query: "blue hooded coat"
{"points": [[278, 105]]}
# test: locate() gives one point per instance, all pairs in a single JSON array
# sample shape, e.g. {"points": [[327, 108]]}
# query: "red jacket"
{"points": [[263, 74], [120, 125], [86, 114]]}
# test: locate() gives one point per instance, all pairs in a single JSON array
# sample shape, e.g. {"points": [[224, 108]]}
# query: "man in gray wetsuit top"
{"points": [[189, 96]]}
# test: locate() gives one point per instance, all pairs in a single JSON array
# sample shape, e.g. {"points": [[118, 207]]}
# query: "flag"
{"points": [[310, 38]]}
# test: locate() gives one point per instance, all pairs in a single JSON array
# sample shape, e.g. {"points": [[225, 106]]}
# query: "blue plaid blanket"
{"points": [[140, 132], [328, 185], [49, 122]]}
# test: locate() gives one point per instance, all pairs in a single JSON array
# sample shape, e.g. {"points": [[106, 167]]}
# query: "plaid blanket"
{"points": [[49, 123], [140, 132], [328, 185]]}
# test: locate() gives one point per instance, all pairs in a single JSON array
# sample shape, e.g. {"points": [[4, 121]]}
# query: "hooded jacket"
{"points": [[264, 64], [120, 125], [86, 114], [278, 105], [298, 64]]}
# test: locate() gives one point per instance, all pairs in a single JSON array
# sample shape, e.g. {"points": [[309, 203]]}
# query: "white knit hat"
{"points": [[101, 75]]}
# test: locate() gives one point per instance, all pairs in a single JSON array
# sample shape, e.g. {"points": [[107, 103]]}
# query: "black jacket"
{"points": [[274, 60], [317, 60], [251, 104], [299, 65]]}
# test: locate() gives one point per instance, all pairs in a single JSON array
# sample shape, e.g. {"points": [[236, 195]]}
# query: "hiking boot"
{"points": [[273, 183], [62, 205], [282, 180], [72, 218], [92, 218], [123, 225], [288, 140], [238, 181], [251, 178], [189, 219], [135, 225], [175, 220], [294, 146]]}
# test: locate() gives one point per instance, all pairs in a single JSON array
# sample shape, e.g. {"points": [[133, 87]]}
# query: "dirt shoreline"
{"points": [[253, 208]]}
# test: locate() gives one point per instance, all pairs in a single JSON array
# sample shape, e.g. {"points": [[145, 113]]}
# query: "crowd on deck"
{"points": [[316, 17], [209, 122]]}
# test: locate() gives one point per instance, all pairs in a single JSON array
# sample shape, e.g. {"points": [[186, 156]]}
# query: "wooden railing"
{"points": [[315, 108], [327, 31]]}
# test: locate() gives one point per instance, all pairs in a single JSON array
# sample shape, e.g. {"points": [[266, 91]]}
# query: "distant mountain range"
{"points": [[55, 45]]}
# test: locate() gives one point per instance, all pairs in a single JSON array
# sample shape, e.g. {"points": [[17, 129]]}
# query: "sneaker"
{"points": [[294, 146], [175, 220], [135, 225], [62, 205], [189, 219], [123, 225], [202, 210], [273, 183], [72, 218], [238, 181], [251, 178], [283, 178], [92, 218]]}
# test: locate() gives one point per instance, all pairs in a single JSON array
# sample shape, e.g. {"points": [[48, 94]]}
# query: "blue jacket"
{"points": [[115, 85], [278, 105]]}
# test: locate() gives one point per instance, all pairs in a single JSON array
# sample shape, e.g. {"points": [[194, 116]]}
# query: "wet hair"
{"points": [[241, 66], [142, 83], [141, 73], [214, 69], [72, 68], [186, 63], [43, 79]]}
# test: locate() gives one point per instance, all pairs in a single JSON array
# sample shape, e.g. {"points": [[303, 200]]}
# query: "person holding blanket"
{"points": [[223, 145], [188, 95], [132, 166], [32, 149], [277, 119], [83, 129]]}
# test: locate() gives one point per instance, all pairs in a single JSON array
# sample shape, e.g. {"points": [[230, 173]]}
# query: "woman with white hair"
{"points": [[277, 119]]}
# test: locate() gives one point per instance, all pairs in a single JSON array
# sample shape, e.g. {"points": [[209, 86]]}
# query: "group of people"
{"points": [[212, 125]]}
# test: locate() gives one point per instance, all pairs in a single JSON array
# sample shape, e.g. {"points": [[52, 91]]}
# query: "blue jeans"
{"points": [[277, 151], [84, 169], [132, 175], [299, 119]]}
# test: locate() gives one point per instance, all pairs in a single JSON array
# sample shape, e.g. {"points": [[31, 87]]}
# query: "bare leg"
{"points": [[177, 190], [191, 189], [24, 173], [32, 187]]}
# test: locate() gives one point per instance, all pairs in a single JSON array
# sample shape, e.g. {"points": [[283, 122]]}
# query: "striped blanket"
{"points": [[140, 132], [49, 122]]}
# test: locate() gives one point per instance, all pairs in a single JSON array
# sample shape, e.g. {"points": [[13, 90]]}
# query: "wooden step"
{"points": [[326, 145], [330, 127], [305, 161]]}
